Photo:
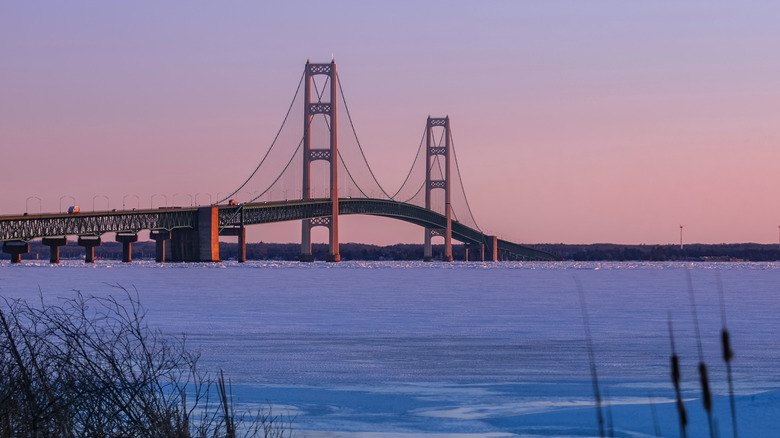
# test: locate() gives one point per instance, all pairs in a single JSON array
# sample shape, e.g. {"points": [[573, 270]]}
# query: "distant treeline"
{"points": [[358, 251], [753, 252]]}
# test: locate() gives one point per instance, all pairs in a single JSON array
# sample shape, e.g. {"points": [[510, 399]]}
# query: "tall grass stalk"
{"points": [[591, 358], [728, 354], [706, 395], [682, 415], [654, 413]]}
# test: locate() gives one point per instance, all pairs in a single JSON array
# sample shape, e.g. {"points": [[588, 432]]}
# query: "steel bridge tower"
{"points": [[310, 109], [431, 150]]}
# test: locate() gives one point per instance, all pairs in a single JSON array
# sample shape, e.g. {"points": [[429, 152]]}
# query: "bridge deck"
{"points": [[29, 227]]}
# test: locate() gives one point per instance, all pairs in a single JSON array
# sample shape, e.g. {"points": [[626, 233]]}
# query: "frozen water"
{"points": [[391, 349]]}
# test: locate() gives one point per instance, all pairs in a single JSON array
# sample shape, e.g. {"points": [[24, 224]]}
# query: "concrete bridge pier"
{"points": [[491, 248], [242, 245], [240, 232], [54, 244], [127, 240], [183, 245], [200, 244], [159, 237], [427, 246], [16, 248], [208, 234], [430, 233], [306, 255], [89, 243], [475, 252]]}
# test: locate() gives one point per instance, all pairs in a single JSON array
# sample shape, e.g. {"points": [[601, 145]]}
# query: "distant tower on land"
{"points": [[681, 236]]}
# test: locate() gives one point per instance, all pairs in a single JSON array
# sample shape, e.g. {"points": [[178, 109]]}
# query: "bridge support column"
{"points": [[306, 255], [200, 244], [160, 236], [127, 240], [491, 248], [240, 232], [430, 233], [89, 243], [474, 252], [184, 245], [466, 252], [428, 248], [16, 248], [447, 256], [54, 244], [208, 234], [242, 246]]}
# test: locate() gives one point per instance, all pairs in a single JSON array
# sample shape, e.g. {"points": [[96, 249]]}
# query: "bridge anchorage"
{"points": [[432, 196]]}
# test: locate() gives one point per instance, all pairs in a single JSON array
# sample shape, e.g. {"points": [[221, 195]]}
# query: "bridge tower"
{"points": [[310, 109], [431, 150]]}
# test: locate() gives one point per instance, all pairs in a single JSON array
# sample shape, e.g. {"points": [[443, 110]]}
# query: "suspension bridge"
{"points": [[309, 173]]}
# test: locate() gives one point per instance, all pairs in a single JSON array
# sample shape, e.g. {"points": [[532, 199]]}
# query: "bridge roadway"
{"points": [[28, 227]]}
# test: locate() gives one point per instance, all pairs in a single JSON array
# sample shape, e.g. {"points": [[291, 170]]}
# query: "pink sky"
{"points": [[575, 121]]}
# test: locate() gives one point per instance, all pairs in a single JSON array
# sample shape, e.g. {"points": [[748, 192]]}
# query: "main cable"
{"points": [[300, 143], [460, 178], [408, 175], [354, 132], [272, 143]]}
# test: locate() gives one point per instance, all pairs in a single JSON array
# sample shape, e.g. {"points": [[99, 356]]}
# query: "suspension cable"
{"points": [[272, 143], [327, 125], [415, 194], [408, 175], [349, 174], [418, 190], [300, 143], [460, 178], [354, 132]]}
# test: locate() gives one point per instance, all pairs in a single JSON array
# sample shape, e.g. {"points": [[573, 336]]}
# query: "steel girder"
{"points": [[26, 228], [524, 252], [296, 210]]}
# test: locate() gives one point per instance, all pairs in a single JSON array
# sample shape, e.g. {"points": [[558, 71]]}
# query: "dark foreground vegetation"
{"points": [[753, 252], [91, 367]]}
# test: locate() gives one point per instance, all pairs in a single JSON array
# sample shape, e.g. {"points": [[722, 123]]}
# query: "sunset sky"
{"points": [[575, 121]]}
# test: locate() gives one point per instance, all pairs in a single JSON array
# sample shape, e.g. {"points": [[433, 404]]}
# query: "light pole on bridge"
{"points": [[196, 197], [27, 206], [151, 201], [173, 198], [137, 201], [66, 196], [101, 196]]}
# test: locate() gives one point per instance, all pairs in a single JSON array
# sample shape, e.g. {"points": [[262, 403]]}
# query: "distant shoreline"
{"points": [[754, 252]]}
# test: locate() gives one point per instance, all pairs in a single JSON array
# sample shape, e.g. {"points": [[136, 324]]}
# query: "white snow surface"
{"points": [[460, 350]]}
